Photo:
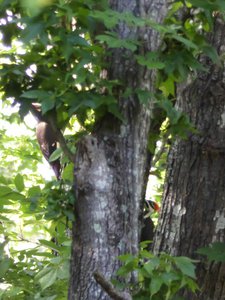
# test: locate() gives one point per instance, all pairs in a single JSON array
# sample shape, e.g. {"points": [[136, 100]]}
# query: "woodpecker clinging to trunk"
{"points": [[147, 231], [152, 206], [46, 138]]}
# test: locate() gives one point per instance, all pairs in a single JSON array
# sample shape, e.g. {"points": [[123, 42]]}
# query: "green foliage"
{"points": [[56, 51], [177, 123], [215, 252], [28, 263], [159, 277], [35, 220], [216, 5], [59, 65]]}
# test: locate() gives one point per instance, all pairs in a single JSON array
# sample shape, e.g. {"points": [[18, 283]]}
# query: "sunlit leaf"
{"points": [[48, 279], [19, 182], [4, 266], [68, 171], [55, 155]]}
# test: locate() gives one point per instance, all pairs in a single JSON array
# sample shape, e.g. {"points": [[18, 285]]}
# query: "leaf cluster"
{"points": [[35, 221], [50, 58], [159, 277], [35, 248], [56, 56], [214, 252]]}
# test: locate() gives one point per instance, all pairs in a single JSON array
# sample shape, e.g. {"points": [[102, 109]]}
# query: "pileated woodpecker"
{"points": [[147, 231], [46, 138], [152, 205]]}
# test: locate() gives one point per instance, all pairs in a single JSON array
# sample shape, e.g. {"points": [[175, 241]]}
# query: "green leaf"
{"points": [[55, 155], [212, 5], [126, 257], [13, 292], [171, 112], [151, 61], [131, 263], [13, 196], [186, 42], [67, 173], [43, 272], [186, 266], [4, 190], [169, 276], [125, 270], [115, 42], [4, 266], [67, 243], [109, 17], [35, 94], [19, 182], [47, 105], [34, 191], [48, 279], [32, 32], [215, 252], [114, 109], [168, 87], [49, 245], [152, 264], [212, 53], [155, 284], [144, 96], [63, 270]]}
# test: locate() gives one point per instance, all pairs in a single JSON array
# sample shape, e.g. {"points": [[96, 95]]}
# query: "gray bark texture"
{"points": [[111, 167], [193, 209]]}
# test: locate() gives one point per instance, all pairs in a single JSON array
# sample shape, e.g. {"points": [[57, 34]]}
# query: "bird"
{"points": [[152, 204], [147, 231], [46, 138]]}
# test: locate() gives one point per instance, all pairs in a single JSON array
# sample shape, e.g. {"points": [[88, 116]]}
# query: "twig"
{"points": [[109, 289]]}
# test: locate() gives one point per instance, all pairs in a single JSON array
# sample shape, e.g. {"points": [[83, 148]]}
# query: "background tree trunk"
{"points": [[111, 166], [193, 211]]}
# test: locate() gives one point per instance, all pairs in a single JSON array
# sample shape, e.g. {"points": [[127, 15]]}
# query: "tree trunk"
{"points": [[193, 203], [111, 166]]}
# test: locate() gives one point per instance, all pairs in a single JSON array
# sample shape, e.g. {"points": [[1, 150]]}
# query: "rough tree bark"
{"points": [[193, 211], [111, 166]]}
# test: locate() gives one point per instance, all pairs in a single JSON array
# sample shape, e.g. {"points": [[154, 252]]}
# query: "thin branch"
{"points": [[22, 239], [109, 288]]}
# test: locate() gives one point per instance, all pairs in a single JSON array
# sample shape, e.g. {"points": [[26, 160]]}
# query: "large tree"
{"points": [[111, 164], [193, 203], [67, 71]]}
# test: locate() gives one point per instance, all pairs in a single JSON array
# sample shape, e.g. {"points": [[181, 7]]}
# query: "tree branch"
{"points": [[109, 289]]}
